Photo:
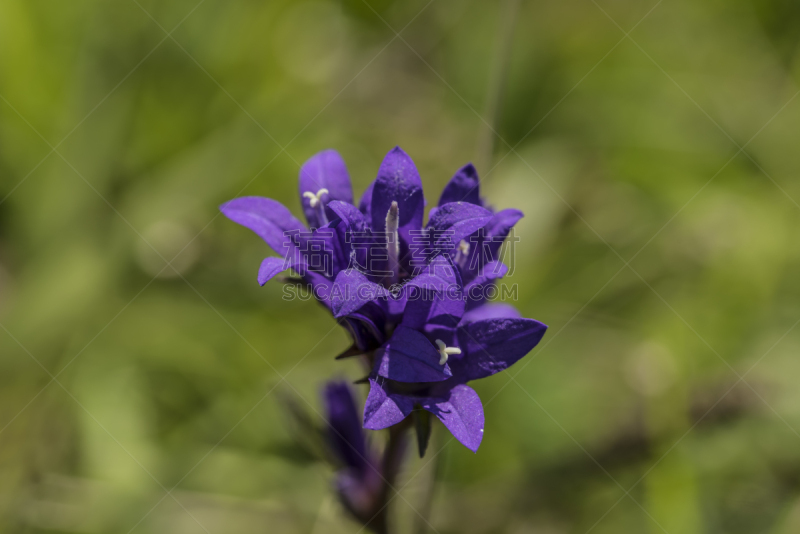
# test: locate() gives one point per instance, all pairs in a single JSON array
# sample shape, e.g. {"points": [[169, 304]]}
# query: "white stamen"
{"points": [[393, 239], [462, 253], [315, 199], [445, 351]]}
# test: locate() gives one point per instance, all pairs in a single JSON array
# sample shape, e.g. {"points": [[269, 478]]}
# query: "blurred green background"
{"points": [[658, 173]]}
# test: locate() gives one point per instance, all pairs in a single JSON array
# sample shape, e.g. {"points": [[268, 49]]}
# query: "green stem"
{"points": [[392, 459], [422, 523]]}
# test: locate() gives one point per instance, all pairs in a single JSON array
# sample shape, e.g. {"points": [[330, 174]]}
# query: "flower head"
{"points": [[409, 294], [313, 253], [435, 351]]}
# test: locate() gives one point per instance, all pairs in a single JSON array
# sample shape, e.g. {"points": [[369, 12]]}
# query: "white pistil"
{"points": [[315, 201], [393, 240], [445, 351]]}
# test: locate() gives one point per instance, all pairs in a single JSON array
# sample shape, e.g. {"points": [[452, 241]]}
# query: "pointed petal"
{"points": [[478, 289], [410, 357], [266, 217], [435, 296], [365, 204], [349, 214], [462, 414], [383, 410], [456, 221], [485, 245], [321, 252], [325, 170], [493, 270], [439, 275], [491, 310], [492, 345], [398, 180], [499, 227], [270, 267], [428, 309], [464, 186], [351, 291], [355, 242]]}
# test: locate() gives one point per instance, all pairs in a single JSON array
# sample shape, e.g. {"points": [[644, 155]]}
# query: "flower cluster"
{"points": [[406, 292]]}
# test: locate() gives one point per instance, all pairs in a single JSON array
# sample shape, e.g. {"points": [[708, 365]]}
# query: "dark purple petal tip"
{"points": [[464, 186], [398, 181]]}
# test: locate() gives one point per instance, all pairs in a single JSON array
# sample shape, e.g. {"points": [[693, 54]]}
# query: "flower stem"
{"points": [[422, 520], [392, 459]]}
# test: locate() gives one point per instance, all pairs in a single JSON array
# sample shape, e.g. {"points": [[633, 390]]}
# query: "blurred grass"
{"points": [[626, 150]]}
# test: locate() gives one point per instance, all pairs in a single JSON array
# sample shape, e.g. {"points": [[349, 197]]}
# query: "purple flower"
{"points": [[478, 344], [358, 480], [437, 348], [410, 295], [390, 213], [316, 253], [461, 226], [383, 238], [474, 252]]}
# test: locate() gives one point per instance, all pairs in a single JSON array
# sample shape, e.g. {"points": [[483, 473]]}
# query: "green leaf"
{"points": [[422, 424]]}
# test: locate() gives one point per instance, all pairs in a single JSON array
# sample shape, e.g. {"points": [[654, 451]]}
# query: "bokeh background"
{"points": [[652, 145]]}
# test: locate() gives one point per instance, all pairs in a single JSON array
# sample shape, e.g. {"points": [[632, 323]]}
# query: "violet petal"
{"points": [[493, 270], [464, 186], [383, 410], [351, 291], [365, 204], [398, 181], [410, 357], [461, 413], [492, 345], [434, 296], [325, 170], [456, 221], [350, 215], [491, 310], [499, 227], [266, 217], [270, 267]]}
